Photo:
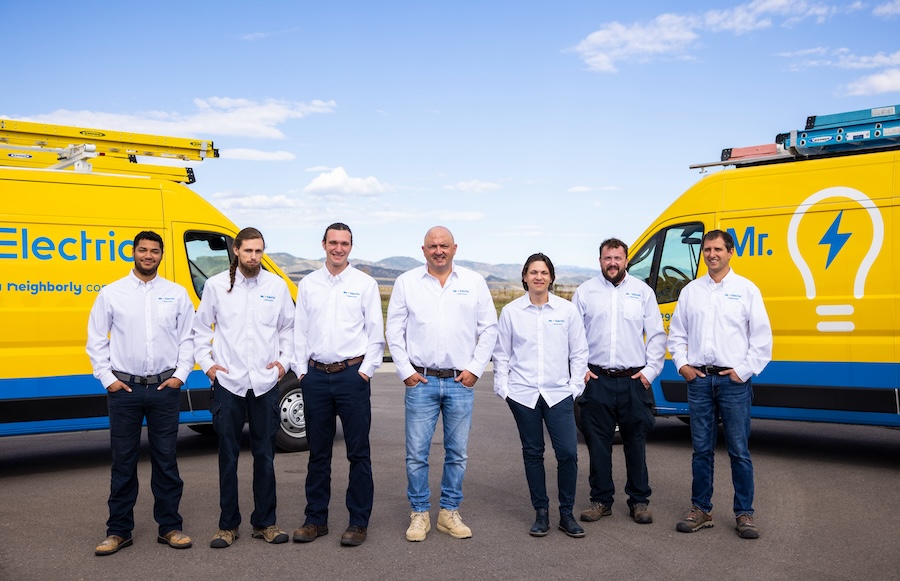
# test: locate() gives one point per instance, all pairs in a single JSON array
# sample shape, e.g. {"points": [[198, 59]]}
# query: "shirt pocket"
{"points": [[267, 312], [633, 310], [167, 314], [733, 312]]}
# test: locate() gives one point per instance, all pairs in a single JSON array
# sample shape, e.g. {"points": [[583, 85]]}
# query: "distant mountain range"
{"points": [[388, 269]]}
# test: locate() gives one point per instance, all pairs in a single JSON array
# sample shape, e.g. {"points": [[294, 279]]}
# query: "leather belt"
{"points": [[711, 369], [335, 367], [144, 380], [435, 372], [613, 372]]}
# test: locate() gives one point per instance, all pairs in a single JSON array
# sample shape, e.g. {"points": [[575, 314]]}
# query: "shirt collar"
{"points": [[528, 304], [239, 279], [138, 282]]}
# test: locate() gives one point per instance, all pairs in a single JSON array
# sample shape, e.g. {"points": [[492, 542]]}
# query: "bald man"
{"points": [[441, 328]]}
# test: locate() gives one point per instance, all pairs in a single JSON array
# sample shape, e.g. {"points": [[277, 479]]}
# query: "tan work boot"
{"points": [[451, 523], [176, 540], [224, 538], [419, 526]]}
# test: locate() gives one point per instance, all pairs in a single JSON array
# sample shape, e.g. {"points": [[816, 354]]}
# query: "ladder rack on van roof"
{"points": [[40, 145], [861, 131]]}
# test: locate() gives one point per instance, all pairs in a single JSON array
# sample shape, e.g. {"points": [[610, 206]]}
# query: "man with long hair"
{"points": [[243, 342]]}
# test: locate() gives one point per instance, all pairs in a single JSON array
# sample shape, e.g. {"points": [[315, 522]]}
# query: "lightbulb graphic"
{"points": [[859, 282]]}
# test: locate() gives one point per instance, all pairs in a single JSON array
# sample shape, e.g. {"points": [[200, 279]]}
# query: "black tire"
{"points": [[291, 436], [203, 429]]}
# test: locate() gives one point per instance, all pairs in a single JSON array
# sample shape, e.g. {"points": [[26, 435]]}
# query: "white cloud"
{"points": [[887, 9], [254, 36], [673, 35], [841, 58], [474, 186], [253, 202], [256, 155], [582, 189], [337, 182], [214, 116], [885, 82], [439, 215], [666, 35]]}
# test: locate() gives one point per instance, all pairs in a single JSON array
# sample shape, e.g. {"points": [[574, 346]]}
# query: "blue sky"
{"points": [[522, 126]]}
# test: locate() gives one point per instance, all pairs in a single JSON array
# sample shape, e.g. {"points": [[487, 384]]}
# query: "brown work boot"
{"points": [[640, 512], [176, 540], [746, 529], [694, 520], [354, 536], [596, 511], [310, 532]]}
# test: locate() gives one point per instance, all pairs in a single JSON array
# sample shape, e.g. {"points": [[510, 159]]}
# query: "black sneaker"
{"points": [[745, 527]]}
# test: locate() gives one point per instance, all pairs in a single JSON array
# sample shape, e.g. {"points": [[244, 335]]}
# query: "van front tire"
{"points": [[291, 435]]}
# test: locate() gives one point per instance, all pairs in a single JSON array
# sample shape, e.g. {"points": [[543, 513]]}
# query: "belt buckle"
{"points": [[334, 367]]}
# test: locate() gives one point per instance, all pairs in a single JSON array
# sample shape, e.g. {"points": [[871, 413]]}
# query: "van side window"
{"points": [[208, 253], [679, 260], [669, 260]]}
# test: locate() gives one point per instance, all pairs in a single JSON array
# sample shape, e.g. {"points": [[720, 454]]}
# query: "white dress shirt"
{"points": [[449, 327], [253, 327], [722, 324], [338, 318], [541, 352], [623, 325], [140, 328]]}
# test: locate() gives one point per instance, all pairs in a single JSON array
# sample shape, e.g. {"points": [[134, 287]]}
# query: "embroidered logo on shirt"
{"points": [[167, 300], [461, 291], [556, 322], [268, 298], [733, 296], [633, 295], [352, 294]]}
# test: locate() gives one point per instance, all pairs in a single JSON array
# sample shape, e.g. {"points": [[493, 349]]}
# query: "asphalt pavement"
{"points": [[826, 501]]}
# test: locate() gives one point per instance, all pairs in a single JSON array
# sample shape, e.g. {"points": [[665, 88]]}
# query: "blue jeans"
{"points": [[229, 413], [608, 401], [708, 398], [325, 397], [424, 403], [126, 414], [560, 420]]}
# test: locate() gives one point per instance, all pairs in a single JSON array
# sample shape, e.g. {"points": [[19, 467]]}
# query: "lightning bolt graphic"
{"points": [[834, 239]]}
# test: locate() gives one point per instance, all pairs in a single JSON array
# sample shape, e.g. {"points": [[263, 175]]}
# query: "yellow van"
{"points": [[814, 228], [66, 232]]}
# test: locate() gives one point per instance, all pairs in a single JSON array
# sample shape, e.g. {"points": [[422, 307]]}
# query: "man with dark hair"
{"points": [[720, 337], [627, 345], [243, 342], [139, 344], [338, 344]]}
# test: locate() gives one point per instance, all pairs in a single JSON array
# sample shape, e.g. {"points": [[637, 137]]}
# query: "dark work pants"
{"points": [[229, 414], [608, 401], [327, 396], [560, 420], [126, 414]]}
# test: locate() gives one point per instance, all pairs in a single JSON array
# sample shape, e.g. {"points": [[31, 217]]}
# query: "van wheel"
{"points": [[203, 429], [291, 436]]}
